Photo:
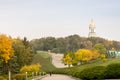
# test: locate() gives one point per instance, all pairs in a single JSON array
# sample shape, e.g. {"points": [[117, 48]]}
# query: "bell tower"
{"points": [[92, 29]]}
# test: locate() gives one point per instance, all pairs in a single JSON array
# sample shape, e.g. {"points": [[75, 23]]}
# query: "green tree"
{"points": [[60, 45], [49, 44], [100, 48], [19, 49], [23, 54], [28, 51], [73, 43]]}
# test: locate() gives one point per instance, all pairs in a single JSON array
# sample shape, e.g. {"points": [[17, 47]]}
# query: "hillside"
{"points": [[77, 69], [45, 60], [71, 43]]}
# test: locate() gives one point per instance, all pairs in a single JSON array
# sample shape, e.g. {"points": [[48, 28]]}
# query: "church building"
{"points": [[92, 29]]}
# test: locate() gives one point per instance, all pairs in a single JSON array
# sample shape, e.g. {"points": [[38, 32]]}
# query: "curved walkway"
{"points": [[57, 60], [58, 77]]}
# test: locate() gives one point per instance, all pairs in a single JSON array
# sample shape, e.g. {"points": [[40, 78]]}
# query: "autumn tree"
{"points": [[83, 55], [6, 51], [103, 57], [95, 54], [68, 58]]}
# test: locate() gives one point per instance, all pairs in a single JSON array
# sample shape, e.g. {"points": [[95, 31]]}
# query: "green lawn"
{"points": [[43, 54], [45, 60], [96, 63], [77, 69]]}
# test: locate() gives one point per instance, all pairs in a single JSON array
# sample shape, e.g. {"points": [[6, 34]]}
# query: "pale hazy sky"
{"points": [[59, 18]]}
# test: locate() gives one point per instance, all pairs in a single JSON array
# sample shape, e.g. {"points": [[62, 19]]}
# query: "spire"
{"points": [[92, 24], [92, 29]]}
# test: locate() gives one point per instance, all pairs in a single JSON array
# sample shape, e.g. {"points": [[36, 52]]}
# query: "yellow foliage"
{"points": [[103, 57], [86, 55], [30, 68], [6, 50], [67, 59], [95, 54], [83, 55]]}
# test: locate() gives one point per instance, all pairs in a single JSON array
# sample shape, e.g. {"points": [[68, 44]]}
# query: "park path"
{"points": [[57, 60], [58, 77]]}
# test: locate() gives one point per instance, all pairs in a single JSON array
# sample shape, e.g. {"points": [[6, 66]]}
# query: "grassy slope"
{"points": [[94, 63], [45, 60], [99, 63]]}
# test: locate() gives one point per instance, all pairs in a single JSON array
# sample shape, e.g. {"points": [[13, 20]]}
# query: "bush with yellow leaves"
{"points": [[31, 68]]}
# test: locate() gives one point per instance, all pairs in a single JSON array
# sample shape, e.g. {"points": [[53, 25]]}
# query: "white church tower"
{"points": [[92, 29]]}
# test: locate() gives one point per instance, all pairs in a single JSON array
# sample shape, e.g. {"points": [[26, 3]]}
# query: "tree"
{"points": [[19, 49], [49, 43], [26, 42], [6, 50], [68, 58], [60, 45], [103, 57], [28, 51], [95, 54], [73, 43], [100, 48], [22, 53], [83, 55]]}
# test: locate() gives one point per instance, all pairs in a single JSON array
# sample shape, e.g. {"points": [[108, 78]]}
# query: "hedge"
{"points": [[96, 72], [112, 71]]}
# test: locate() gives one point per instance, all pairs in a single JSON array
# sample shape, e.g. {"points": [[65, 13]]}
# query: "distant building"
{"points": [[92, 29], [113, 54]]}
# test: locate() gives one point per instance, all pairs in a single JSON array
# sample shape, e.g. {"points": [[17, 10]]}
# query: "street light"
{"points": [[33, 75], [9, 74], [26, 76]]}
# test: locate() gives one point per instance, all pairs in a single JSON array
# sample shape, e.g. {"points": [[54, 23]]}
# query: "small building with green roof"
{"points": [[113, 54]]}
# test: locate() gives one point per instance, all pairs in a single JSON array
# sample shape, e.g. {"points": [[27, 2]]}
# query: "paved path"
{"points": [[57, 60], [58, 77]]}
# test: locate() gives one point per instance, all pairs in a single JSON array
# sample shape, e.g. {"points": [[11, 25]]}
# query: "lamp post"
{"points": [[33, 75], [9, 74], [26, 76]]}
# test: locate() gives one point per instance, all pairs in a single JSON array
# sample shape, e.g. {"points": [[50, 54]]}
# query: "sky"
{"points": [[59, 18]]}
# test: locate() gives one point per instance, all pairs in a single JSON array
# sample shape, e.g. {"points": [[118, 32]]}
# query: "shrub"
{"points": [[31, 68], [112, 71], [18, 77], [43, 73], [92, 73]]}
